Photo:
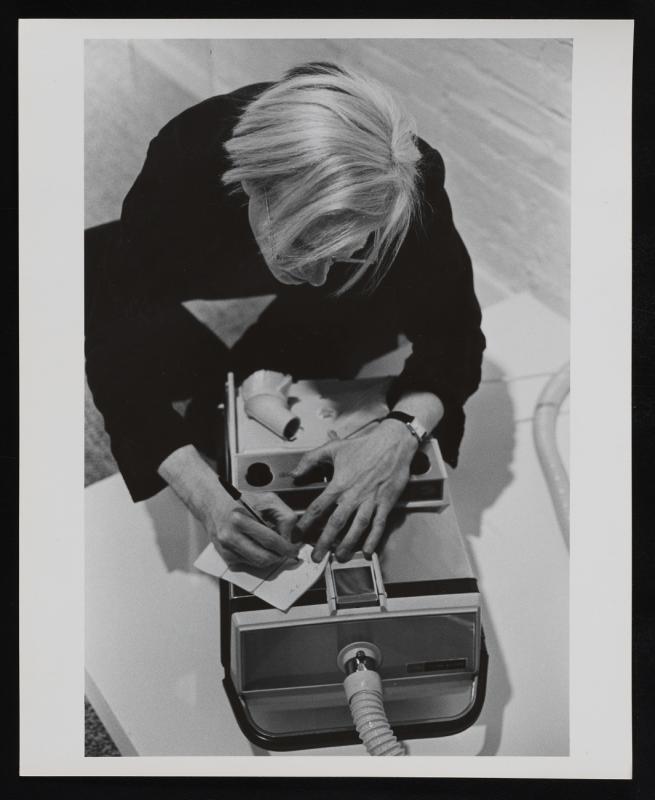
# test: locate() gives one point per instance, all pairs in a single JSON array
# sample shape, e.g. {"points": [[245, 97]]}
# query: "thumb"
{"points": [[284, 520], [273, 507], [287, 527]]}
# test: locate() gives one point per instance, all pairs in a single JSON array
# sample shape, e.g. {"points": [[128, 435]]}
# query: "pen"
{"points": [[235, 494]]}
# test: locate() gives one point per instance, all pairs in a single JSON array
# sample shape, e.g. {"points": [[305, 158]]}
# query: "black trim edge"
{"points": [[249, 602], [425, 588]]}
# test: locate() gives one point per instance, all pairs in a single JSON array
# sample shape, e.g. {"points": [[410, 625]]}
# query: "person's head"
{"points": [[332, 161]]}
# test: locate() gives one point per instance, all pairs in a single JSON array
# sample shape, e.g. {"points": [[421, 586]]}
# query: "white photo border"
{"points": [[51, 130]]}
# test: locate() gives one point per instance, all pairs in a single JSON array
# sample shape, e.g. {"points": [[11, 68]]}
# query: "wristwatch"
{"points": [[412, 424]]}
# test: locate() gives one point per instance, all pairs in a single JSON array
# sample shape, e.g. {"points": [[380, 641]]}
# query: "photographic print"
{"points": [[336, 298], [227, 183]]}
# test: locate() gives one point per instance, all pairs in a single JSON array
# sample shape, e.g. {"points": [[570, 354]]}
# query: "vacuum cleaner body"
{"points": [[415, 603]]}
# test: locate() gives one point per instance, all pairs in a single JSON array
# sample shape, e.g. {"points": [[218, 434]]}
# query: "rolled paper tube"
{"points": [[266, 381], [273, 413]]}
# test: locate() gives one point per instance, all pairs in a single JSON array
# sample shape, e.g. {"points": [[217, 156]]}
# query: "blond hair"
{"points": [[337, 158]]}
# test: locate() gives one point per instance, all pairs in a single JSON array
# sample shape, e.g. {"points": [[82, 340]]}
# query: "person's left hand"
{"points": [[370, 473]]}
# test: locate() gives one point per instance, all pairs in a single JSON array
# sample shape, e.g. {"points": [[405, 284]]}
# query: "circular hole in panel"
{"points": [[259, 474], [291, 428], [420, 464]]}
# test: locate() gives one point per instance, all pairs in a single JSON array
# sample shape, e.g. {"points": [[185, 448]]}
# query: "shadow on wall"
{"points": [[485, 472], [180, 537], [180, 540]]}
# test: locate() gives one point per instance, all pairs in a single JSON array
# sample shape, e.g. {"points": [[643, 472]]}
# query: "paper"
{"points": [[280, 585]]}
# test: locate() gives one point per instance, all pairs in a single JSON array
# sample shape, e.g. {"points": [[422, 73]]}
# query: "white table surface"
{"points": [[153, 669]]}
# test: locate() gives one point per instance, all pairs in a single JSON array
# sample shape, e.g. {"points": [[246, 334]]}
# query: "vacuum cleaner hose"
{"points": [[545, 422], [364, 692]]}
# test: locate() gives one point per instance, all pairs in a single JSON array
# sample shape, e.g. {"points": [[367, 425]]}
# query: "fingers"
{"points": [[273, 508], [263, 536], [243, 554], [351, 505], [386, 499], [287, 528], [377, 528], [250, 541], [318, 508], [359, 524], [337, 522]]}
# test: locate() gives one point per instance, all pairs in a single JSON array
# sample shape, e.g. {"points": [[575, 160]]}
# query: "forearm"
{"points": [[425, 406], [194, 482]]}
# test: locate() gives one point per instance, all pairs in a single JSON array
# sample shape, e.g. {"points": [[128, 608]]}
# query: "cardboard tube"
{"points": [[272, 412]]}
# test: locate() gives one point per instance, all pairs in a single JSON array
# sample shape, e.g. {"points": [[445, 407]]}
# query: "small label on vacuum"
{"points": [[449, 664]]}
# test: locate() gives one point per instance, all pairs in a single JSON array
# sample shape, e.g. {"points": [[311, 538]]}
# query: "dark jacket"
{"points": [[184, 236]]}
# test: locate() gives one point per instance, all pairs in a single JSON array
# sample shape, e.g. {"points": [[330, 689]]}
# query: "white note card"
{"points": [[280, 586]]}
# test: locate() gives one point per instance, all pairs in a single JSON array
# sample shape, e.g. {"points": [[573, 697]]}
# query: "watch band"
{"points": [[412, 424]]}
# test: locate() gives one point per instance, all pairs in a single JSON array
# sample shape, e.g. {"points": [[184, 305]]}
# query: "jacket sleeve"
{"points": [[143, 349], [439, 313]]}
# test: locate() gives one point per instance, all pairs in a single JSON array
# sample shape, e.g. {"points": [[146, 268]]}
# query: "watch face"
{"points": [[416, 432]]}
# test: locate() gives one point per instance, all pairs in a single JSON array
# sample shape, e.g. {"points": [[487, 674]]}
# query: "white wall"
{"points": [[497, 110]]}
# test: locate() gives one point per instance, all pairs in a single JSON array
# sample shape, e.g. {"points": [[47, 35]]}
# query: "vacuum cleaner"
{"points": [[377, 650]]}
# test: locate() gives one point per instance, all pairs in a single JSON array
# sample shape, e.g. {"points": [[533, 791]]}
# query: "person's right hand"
{"points": [[243, 541], [239, 538]]}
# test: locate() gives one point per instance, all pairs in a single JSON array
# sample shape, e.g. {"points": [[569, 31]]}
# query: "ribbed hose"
{"points": [[364, 693], [545, 422]]}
